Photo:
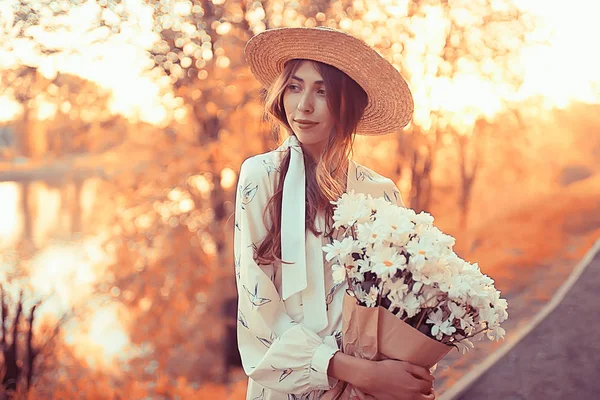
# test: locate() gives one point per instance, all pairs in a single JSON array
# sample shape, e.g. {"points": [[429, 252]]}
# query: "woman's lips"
{"points": [[305, 125]]}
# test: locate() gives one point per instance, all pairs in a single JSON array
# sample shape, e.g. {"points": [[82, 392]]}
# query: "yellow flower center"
{"points": [[422, 252], [387, 263]]}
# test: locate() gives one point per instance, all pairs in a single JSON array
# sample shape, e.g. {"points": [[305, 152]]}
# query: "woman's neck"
{"points": [[314, 151]]}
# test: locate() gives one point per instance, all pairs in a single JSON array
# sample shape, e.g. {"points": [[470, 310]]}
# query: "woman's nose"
{"points": [[306, 104]]}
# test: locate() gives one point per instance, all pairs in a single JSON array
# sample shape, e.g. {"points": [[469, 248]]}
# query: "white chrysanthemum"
{"points": [[466, 323], [430, 296], [457, 311], [417, 287], [434, 239], [412, 305], [407, 213], [380, 204], [350, 209], [396, 224], [386, 261], [384, 230], [456, 286], [496, 332], [395, 285], [440, 326], [364, 265], [396, 300], [488, 315], [432, 271], [401, 232], [369, 233], [418, 254], [340, 249], [464, 345], [382, 233], [370, 297], [500, 306], [423, 218], [338, 273], [442, 238]]}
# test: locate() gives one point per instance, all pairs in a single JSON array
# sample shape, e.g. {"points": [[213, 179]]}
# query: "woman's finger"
{"points": [[424, 386], [421, 372]]}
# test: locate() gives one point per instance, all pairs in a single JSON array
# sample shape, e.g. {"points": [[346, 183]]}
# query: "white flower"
{"points": [[432, 271], [412, 305], [440, 326], [351, 208], [379, 204], [338, 273], [364, 265], [340, 249], [466, 323], [355, 274], [396, 300], [418, 253], [371, 297], [464, 346], [392, 239], [488, 315], [443, 239], [500, 306], [401, 231], [456, 310], [395, 285], [383, 228], [456, 286], [417, 287], [386, 261], [423, 218], [496, 332], [430, 297], [369, 233]]}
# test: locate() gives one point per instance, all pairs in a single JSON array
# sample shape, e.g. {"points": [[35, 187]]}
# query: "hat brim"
{"points": [[390, 103]]}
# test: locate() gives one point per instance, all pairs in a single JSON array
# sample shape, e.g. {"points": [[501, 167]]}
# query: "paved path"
{"points": [[558, 359]]}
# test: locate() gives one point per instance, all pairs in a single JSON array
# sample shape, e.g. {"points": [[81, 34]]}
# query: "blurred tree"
{"points": [[22, 350], [442, 48]]}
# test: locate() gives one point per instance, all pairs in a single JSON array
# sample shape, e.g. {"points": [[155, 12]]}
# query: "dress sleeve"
{"points": [[276, 352]]}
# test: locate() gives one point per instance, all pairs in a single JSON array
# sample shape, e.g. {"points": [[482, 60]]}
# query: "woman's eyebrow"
{"points": [[302, 80]]}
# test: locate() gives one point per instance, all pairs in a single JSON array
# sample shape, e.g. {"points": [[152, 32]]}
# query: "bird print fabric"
{"points": [[284, 360]]}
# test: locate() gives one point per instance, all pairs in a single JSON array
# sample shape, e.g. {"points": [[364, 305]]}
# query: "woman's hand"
{"points": [[398, 380]]}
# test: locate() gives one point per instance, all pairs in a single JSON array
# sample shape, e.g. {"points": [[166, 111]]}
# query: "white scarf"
{"points": [[300, 247]]}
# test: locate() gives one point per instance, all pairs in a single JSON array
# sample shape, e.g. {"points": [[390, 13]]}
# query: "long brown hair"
{"points": [[346, 101]]}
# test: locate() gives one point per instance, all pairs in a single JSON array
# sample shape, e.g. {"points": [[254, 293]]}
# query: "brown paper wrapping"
{"points": [[377, 334]]}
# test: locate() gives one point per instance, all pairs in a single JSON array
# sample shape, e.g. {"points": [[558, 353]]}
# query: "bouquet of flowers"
{"points": [[409, 296]]}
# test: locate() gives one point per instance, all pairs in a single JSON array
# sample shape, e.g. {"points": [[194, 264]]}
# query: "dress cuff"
{"points": [[319, 365]]}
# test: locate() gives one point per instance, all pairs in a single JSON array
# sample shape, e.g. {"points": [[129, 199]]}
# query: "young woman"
{"points": [[324, 86]]}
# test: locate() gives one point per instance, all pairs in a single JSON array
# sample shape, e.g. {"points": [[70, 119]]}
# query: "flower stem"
{"points": [[470, 336], [420, 320]]}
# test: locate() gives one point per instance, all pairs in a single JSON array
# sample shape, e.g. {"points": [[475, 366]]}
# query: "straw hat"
{"points": [[390, 105]]}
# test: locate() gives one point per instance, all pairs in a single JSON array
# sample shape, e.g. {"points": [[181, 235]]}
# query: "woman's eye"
{"points": [[293, 87], [321, 91]]}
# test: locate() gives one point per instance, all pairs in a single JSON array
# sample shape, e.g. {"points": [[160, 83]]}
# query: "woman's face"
{"points": [[305, 104]]}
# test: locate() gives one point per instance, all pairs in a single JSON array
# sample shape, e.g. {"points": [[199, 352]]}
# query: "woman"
{"points": [[324, 86]]}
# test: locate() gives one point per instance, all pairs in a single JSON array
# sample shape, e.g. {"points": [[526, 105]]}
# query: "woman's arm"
{"points": [[349, 369], [388, 379]]}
